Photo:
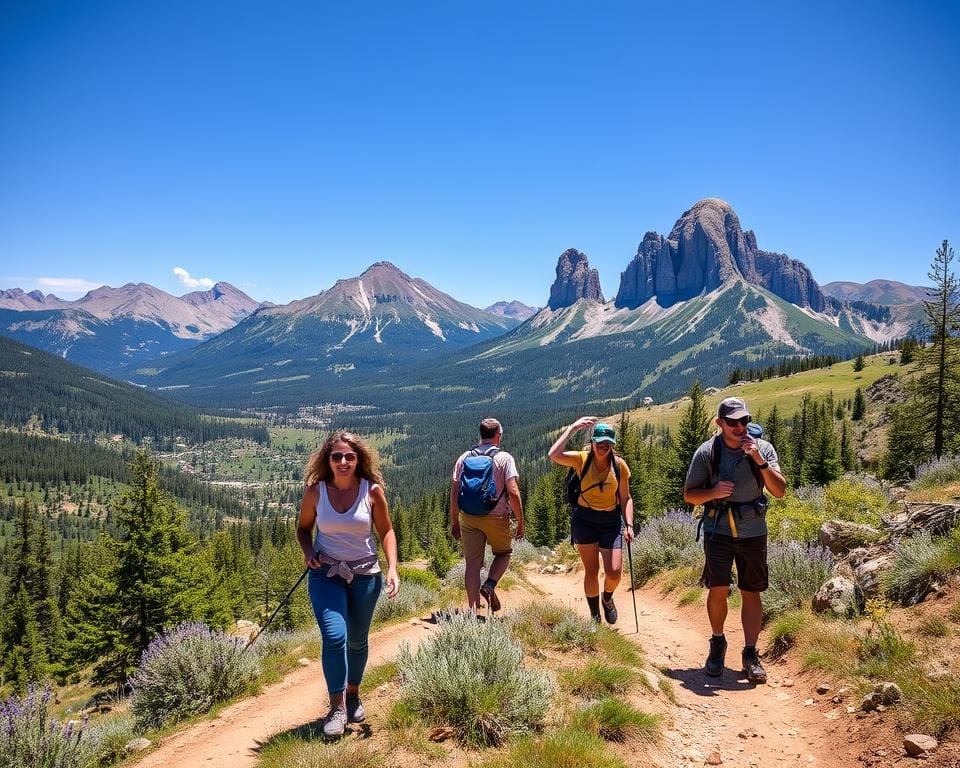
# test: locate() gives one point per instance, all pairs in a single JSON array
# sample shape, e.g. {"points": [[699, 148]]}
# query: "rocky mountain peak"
{"points": [[575, 280], [707, 248]]}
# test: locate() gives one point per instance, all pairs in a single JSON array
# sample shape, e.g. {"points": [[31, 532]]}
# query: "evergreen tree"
{"points": [[858, 363], [25, 659], [775, 432], [156, 580], [859, 406], [693, 430], [941, 365], [848, 458]]}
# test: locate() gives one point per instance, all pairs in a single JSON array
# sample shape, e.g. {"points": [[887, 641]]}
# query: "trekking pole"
{"points": [[274, 614], [633, 584]]}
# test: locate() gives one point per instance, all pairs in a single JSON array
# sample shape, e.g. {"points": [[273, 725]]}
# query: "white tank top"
{"points": [[346, 536]]}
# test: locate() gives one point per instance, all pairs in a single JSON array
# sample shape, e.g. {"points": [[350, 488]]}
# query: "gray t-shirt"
{"points": [[733, 466]]}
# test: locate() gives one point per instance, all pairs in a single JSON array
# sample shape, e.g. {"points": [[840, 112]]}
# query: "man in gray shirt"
{"points": [[727, 476]]}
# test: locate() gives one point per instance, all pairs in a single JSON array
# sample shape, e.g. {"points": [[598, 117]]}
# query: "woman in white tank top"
{"points": [[342, 506]]}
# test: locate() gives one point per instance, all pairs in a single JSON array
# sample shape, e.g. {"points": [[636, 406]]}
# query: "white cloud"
{"points": [[62, 286], [192, 282]]}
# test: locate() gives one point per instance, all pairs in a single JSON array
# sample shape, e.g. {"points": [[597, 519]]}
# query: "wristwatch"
{"points": [[765, 465]]}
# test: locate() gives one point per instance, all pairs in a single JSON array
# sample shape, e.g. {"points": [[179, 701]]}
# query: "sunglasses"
{"points": [[734, 422], [337, 457]]}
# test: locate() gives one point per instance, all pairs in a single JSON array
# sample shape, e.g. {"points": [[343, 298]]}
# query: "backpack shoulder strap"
{"points": [[586, 464]]}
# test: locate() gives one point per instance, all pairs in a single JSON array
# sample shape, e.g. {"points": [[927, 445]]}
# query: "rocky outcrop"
{"points": [[706, 249], [840, 536], [575, 281]]}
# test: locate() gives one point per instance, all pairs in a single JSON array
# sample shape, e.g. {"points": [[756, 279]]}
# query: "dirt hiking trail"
{"points": [[782, 723]]}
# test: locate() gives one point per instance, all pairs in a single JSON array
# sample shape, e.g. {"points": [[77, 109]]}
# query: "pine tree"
{"points": [[775, 432], [848, 458], [156, 580], [941, 365], [25, 661], [693, 430], [858, 363], [859, 406]]}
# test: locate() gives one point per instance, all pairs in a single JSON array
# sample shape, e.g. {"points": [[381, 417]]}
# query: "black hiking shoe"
{"points": [[355, 711], [609, 610], [490, 595], [718, 651], [752, 666]]}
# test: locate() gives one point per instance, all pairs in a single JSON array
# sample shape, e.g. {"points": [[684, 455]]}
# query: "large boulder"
{"points": [[869, 568], [838, 596], [840, 536]]}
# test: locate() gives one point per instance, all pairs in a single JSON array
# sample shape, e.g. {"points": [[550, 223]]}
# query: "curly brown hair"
{"points": [[368, 463]]}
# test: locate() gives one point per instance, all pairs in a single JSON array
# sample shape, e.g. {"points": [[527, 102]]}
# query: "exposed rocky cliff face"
{"points": [[575, 281], [705, 249]]}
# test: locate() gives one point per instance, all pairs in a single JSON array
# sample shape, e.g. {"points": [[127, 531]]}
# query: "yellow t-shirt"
{"points": [[603, 496]]}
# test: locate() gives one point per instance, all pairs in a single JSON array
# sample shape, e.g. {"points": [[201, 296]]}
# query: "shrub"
{"points": [[186, 671], [543, 624], [524, 552], [411, 599], [277, 643], [799, 514], [470, 676], [296, 751], [933, 626], [938, 472], [419, 576], [598, 679], [785, 629], [883, 653], [106, 739], [920, 560], [567, 748], [796, 573], [616, 720], [30, 737], [663, 543], [454, 577]]}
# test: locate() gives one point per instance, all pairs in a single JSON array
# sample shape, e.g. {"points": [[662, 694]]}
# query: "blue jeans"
{"points": [[344, 612]]}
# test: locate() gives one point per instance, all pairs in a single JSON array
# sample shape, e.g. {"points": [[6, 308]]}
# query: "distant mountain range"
{"points": [[514, 309], [696, 303], [110, 328], [886, 292]]}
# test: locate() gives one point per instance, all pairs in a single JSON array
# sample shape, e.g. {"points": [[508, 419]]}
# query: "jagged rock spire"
{"points": [[575, 280]]}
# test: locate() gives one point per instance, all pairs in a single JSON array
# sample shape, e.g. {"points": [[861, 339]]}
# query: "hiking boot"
{"points": [[490, 595], [609, 610], [718, 650], [752, 666], [335, 723], [355, 711]]}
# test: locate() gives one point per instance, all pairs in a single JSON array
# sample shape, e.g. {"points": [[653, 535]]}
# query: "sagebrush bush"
{"points": [[470, 676], [186, 671], [30, 737], [411, 599], [106, 739], [281, 641], [796, 573], [938, 472], [920, 560], [454, 577], [524, 552], [663, 543]]}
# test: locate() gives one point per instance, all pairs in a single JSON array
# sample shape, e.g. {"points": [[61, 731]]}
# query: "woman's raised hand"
{"points": [[584, 422]]}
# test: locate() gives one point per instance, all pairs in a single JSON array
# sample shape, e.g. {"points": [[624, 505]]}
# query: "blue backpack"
{"points": [[478, 487]]}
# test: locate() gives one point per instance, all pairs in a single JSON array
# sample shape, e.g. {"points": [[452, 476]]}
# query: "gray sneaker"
{"points": [[335, 723], [355, 711]]}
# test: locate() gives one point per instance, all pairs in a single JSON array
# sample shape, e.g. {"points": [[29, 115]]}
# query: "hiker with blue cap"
{"points": [[602, 503], [728, 475]]}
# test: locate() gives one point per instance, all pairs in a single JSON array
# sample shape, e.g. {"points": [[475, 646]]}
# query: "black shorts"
{"points": [[591, 526], [750, 554]]}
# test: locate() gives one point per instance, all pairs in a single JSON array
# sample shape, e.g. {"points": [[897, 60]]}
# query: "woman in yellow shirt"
{"points": [[603, 505]]}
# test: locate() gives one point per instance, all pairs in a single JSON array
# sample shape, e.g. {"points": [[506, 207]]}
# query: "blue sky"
{"points": [[281, 146]]}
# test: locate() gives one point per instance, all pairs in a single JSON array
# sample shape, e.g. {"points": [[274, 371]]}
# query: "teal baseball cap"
{"points": [[603, 433]]}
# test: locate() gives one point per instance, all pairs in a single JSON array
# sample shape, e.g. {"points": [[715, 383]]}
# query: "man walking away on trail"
{"points": [[483, 492], [727, 476], [602, 505]]}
